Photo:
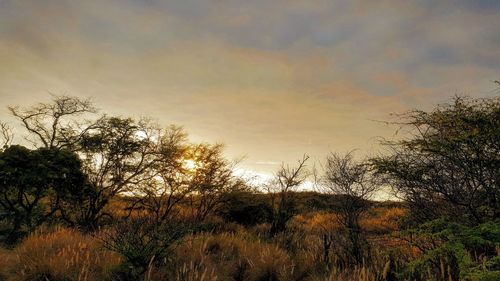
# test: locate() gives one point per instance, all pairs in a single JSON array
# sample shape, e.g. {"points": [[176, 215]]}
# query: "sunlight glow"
{"points": [[190, 164]]}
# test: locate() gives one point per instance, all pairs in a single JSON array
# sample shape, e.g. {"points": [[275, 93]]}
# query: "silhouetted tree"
{"points": [[57, 124], [33, 183], [354, 184], [119, 154], [183, 173], [448, 162], [6, 136], [281, 190], [212, 179], [158, 197]]}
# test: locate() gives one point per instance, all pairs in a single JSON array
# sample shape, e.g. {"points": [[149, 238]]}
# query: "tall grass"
{"points": [[60, 255], [230, 253], [235, 257]]}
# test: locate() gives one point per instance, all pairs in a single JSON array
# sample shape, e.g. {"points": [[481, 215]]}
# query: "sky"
{"points": [[270, 79]]}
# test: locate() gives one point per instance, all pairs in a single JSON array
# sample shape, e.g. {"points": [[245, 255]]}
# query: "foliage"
{"points": [[448, 163], [247, 209], [33, 183], [212, 180], [118, 153], [143, 243], [456, 251]]}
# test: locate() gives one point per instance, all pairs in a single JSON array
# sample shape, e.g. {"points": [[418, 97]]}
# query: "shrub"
{"points": [[247, 209], [456, 251], [143, 244]]}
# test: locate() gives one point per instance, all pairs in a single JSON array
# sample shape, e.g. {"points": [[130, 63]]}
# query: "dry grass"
{"points": [[382, 220], [234, 257], [61, 255], [376, 221], [245, 257], [233, 253]]}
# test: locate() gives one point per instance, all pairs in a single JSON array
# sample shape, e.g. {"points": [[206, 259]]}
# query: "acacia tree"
{"points": [[211, 178], [116, 152], [119, 155], [281, 191], [447, 164], [30, 177], [354, 184], [158, 197], [185, 173], [446, 168], [57, 124]]}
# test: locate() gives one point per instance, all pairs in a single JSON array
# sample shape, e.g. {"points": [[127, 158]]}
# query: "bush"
{"points": [[457, 251], [143, 244], [247, 209]]}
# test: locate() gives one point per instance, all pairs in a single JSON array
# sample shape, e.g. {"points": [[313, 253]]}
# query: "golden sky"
{"points": [[270, 79]]}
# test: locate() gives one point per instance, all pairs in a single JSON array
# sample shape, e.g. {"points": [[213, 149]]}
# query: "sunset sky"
{"points": [[270, 79]]}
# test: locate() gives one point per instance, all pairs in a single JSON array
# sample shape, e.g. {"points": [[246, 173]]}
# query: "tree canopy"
{"points": [[33, 184], [449, 163]]}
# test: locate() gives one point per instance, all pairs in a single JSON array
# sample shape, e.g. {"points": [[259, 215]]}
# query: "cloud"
{"points": [[272, 79]]}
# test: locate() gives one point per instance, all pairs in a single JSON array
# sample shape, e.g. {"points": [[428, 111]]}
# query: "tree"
{"points": [[57, 124], [33, 183], [355, 185], [126, 156], [183, 173], [6, 136], [119, 154], [158, 198], [281, 190], [447, 164], [212, 179]]}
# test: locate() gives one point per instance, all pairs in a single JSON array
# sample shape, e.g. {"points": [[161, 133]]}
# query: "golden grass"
{"points": [[382, 220], [234, 257], [233, 253], [377, 221], [61, 255]]}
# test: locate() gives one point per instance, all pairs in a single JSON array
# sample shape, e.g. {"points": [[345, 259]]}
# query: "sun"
{"points": [[190, 164]]}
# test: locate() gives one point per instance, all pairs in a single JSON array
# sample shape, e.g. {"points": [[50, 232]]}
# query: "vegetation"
{"points": [[354, 184], [113, 198]]}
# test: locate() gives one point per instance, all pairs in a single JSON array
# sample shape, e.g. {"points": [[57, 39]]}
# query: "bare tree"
{"points": [[55, 124], [354, 184], [6, 135], [281, 191]]}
